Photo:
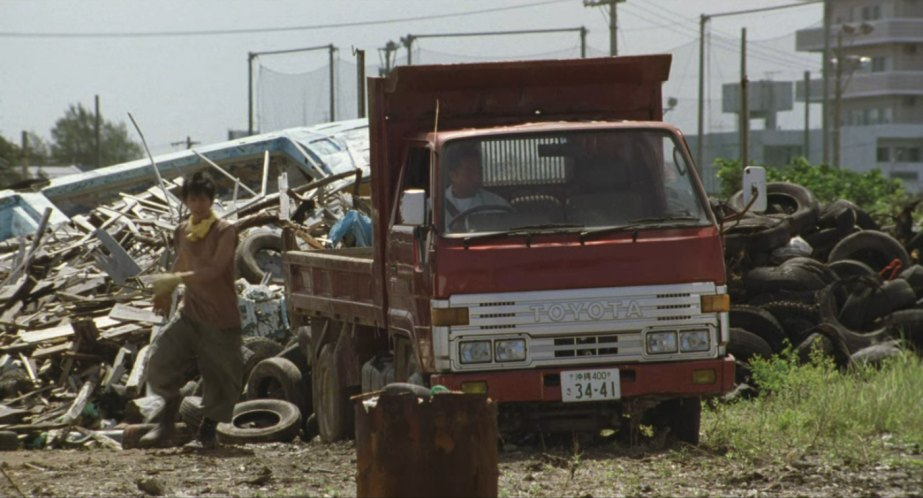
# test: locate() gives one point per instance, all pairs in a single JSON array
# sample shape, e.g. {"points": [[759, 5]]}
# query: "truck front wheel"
{"points": [[331, 399], [682, 416]]}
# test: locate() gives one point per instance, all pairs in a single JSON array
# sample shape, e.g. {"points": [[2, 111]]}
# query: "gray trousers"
{"points": [[217, 353]]}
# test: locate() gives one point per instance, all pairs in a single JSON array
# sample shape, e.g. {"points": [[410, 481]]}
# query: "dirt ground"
{"points": [[315, 469]]}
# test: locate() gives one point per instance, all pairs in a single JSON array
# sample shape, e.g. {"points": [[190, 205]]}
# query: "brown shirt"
{"points": [[210, 297]]}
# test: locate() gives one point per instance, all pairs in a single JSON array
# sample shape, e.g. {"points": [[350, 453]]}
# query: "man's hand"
{"points": [[164, 283], [162, 304]]}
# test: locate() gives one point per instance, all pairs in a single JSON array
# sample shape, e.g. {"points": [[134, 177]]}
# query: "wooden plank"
{"points": [[104, 322], [76, 408], [85, 286], [116, 332], [131, 314], [36, 336], [51, 350], [30, 367], [136, 377]]}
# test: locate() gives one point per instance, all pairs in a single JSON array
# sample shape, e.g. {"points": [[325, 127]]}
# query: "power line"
{"points": [[767, 54], [240, 31]]}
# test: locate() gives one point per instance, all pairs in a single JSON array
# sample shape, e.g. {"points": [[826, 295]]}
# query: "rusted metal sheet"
{"points": [[443, 446]]}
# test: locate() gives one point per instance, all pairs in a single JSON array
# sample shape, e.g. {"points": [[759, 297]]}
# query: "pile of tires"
{"points": [[853, 290]]}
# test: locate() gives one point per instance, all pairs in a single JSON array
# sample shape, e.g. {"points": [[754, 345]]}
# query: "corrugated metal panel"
{"points": [[517, 162]]}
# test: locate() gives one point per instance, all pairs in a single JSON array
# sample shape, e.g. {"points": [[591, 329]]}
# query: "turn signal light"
{"points": [[444, 317], [716, 303], [479, 387], [707, 376]]}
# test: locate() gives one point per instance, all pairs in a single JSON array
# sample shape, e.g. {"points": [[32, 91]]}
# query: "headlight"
{"points": [[693, 340], [475, 352], [661, 342], [510, 350]]}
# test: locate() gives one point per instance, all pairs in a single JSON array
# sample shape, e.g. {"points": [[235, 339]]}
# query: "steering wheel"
{"points": [[478, 209]]}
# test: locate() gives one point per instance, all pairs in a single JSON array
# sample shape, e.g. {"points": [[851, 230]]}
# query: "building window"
{"points": [[879, 64], [905, 175], [883, 154], [871, 13], [907, 155], [910, 49]]}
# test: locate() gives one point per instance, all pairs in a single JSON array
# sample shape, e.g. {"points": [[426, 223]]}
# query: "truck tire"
{"points": [[757, 321], [331, 400], [258, 253], [257, 350], [277, 378], [683, 417], [846, 268], [744, 345], [873, 248], [261, 421], [789, 199]]}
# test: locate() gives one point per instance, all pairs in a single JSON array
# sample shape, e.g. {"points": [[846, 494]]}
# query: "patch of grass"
{"points": [[852, 417]]}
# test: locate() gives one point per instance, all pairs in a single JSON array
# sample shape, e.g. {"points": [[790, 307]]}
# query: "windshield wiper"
{"points": [[637, 224], [525, 230]]}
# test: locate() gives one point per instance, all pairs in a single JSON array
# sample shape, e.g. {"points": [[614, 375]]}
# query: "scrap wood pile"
{"points": [[76, 318], [820, 276]]}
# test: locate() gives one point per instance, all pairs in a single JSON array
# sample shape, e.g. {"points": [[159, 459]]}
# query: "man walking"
{"points": [[206, 328]]}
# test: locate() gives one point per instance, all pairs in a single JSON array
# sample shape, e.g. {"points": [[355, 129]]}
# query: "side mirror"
{"points": [[413, 207], [755, 184]]}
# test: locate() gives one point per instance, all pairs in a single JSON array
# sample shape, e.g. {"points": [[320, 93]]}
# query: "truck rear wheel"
{"points": [[331, 399]]}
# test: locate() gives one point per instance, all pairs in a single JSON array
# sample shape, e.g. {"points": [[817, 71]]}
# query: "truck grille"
{"points": [[604, 345]]}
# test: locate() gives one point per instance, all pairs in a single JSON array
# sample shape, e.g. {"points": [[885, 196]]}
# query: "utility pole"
{"points": [[189, 142], [385, 52], [98, 133], [407, 41], [838, 96], [744, 108], [807, 116], [825, 109], [700, 143], [25, 155], [250, 57], [360, 91], [332, 56], [613, 21]]}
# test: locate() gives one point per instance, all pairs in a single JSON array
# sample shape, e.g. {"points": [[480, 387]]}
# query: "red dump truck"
{"points": [[540, 235]]}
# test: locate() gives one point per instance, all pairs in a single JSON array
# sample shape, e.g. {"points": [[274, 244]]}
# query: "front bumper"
{"points": [[636, 379]]}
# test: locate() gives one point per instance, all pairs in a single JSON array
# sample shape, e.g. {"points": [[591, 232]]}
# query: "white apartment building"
{"points": [[881, 83]]}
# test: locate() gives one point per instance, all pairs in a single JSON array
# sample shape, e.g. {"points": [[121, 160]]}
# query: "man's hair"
{"points": [[462, 152], [198, 183]]}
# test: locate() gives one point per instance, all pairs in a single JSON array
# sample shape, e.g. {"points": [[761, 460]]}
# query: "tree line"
{"points": [[73, 142]]}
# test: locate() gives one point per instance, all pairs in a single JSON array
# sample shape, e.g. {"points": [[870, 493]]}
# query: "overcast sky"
{"points": [[196, 85]]}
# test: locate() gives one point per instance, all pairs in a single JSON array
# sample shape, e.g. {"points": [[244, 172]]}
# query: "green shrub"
{"points": [[871, 191], [813, 409]]}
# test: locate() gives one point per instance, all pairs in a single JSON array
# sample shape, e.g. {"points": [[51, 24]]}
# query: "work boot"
{"points": [[159, 437], [208, 434]]}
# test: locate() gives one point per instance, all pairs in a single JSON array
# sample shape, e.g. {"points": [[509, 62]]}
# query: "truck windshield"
{"points": [[578, 179]]}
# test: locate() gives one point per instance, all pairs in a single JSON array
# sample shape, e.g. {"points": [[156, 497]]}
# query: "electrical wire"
{"points": [[767, 54], [239, 31]]}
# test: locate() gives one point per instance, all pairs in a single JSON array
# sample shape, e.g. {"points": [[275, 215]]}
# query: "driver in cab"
{"points": [[465, 193]]}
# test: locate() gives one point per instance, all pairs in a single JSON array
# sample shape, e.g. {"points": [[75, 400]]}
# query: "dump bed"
{"points": [[334, 283]]}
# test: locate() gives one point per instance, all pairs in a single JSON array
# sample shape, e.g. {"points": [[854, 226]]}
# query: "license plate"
{"points": [[590, 385]]}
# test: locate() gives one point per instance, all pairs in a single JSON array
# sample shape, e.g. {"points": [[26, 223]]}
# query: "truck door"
{"points": [[408, 272]]}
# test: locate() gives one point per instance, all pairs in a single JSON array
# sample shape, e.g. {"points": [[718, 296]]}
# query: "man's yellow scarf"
{"points": [[197, 231]]}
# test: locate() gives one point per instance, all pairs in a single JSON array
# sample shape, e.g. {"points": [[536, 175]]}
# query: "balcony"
{"points": [[867, 85], [886, 83], [885, 31]]}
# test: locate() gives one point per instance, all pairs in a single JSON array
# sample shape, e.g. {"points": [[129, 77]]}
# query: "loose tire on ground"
{"points": [[277, 378], [261, 421]]}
